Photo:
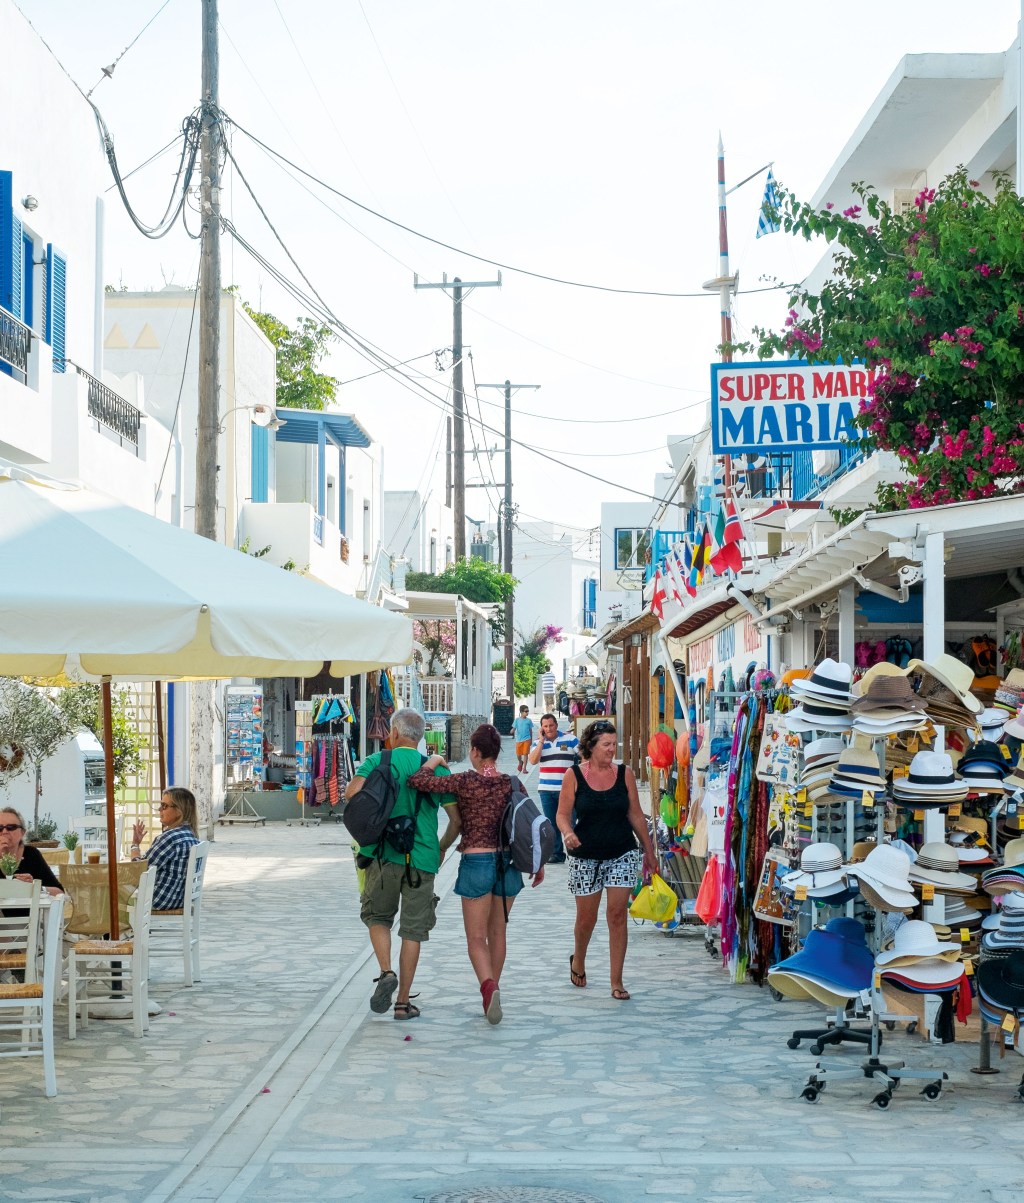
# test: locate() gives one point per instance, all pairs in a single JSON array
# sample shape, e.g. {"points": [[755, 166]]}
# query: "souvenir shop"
{"points": [[853, 793], [292, 743]]}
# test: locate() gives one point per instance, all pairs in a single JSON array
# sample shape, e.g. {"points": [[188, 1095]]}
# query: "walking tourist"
{"points": [[487, 883], [556, 753], [522, 731], [601, 840], [392, 886]]}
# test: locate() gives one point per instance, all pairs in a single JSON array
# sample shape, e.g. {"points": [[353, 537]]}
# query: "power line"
{"points": [[522, 271], [109, 71]]}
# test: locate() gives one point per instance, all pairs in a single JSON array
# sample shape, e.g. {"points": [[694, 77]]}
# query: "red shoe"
{"points": [[492, 1000]]}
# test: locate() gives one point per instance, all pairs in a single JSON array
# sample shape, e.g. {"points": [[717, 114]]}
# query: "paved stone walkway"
{"points": [[272, 1080]]}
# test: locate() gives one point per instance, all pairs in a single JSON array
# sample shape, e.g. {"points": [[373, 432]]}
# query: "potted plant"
{"points": [[43, 832], [8, 864], [70, 840]]}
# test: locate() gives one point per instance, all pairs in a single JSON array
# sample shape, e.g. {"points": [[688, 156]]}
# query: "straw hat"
{"points": [[938, 864], [914, 941], [821, 871], [831, 680], [889, 694], [882, 669], [885, 871], [953, 674]]}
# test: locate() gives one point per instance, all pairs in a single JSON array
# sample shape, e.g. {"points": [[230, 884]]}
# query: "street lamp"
{"points": [[262, 415]]}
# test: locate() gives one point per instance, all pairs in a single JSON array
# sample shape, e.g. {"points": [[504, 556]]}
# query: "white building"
{"points": [[419, 528]]}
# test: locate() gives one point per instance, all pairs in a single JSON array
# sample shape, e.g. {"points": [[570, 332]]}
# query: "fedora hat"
{"points": [[931, 776], [829, 679], [860, 851], [914, 941], [1009, 693], [938, 864], [882, 669], [821, 871], [953, 674], [891, 693], [812, 716], [1001, 980], [1013, 854], [986, 752]]}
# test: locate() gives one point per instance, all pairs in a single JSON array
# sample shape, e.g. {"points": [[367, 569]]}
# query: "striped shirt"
{"points": [[547, 683], [556, 758]]}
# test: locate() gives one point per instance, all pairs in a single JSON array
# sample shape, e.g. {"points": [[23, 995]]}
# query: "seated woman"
{"points": [[31, 865], [168, 853]]}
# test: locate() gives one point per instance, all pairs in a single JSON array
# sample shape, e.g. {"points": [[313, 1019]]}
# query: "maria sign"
{"points": [[789, 406]]}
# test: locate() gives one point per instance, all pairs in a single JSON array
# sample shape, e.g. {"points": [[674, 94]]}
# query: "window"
{"points": [[589, 604], [632, 547], [433, 554]]}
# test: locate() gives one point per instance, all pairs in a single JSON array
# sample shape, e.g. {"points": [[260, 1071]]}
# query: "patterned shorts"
{"points": [[593, 876]]}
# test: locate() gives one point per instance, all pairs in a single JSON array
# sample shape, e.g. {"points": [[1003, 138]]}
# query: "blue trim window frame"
{"points": [[589, 603], [259, 463]]}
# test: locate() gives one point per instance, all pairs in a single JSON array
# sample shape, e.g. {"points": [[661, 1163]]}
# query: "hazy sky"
{"points": [[574, 138]]}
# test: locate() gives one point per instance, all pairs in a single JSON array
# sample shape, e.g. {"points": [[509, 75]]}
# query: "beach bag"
{"points": [[367, 813], [526, 834], [709, 897], [655, 901]]}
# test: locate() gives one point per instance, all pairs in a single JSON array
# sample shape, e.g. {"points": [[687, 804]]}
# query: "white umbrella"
{"points": [[90, 582]]}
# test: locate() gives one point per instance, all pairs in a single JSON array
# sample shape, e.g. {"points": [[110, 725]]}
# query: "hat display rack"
{"points": [[844, 780]]}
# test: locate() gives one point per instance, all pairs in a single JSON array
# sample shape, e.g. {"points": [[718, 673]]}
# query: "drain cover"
{"points": [[510, 1194]]}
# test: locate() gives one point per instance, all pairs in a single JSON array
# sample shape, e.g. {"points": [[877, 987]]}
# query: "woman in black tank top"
{"points": [[601, 843]]}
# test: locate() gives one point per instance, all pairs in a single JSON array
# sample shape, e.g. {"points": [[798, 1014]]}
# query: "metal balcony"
{"points": [[15, 344], [110, 410]]}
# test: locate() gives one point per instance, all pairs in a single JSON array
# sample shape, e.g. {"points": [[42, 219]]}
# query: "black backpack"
{"points": [[367, 813]]}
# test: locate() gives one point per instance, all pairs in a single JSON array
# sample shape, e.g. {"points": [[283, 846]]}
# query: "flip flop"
{"points": [[579, 980], [620, 995]]}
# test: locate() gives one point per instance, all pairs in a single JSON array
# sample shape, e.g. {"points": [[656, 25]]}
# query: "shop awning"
{"points": [[643, 624], [431, 606], [304, 426]]}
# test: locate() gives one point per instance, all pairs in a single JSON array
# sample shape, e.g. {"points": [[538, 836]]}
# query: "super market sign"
{"points": [[790, 406]]}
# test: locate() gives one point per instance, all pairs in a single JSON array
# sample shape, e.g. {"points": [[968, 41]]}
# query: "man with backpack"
{"points": [[556, 752], [401, 865]]}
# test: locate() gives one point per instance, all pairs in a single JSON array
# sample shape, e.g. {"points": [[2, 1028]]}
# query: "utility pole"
{"points": [[458, 450], [202, 713], [508, 515], [209, 284]]}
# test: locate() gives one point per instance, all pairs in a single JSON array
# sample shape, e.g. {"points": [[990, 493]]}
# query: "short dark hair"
{"points": [[487, 741], [589, 738], [553, 717], [524, 707]]}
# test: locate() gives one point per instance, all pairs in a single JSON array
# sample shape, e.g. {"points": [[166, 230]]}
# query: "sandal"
{"points": [[406, 1010], [620, 995], [386, 985], [579, 980]]}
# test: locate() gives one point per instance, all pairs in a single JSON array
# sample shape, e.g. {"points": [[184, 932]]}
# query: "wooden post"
{"points": [[643, 684], [654, 719]]}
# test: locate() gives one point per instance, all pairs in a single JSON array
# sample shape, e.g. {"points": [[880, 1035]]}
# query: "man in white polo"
{"points": [[556, 752]]}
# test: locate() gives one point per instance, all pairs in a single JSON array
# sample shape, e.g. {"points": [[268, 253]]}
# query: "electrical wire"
{"points": [[109, 71], [522, 271], [146, 162]]}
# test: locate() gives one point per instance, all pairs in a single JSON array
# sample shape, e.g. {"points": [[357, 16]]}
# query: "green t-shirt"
{"points": [[426, 849]]}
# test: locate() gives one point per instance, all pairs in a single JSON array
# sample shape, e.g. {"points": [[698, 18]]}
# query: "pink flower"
{"points": [[983, 268], [915, 275], [853, 211], [871, 342], [829, 205], [968, 363], [921, 291]]}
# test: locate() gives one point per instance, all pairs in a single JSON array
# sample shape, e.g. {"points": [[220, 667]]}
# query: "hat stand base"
{"points": [[838, 1032], [985, 1065]]}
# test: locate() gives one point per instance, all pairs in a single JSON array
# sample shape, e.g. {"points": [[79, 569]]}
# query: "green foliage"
{"points": [[44, 828], [475, 579], [932, 298], [531, 659], [70, 840], [843, 517], [300, 385], [83, 707]]}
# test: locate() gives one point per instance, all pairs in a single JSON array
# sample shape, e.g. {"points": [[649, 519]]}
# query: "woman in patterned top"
{"points": [[168, 853], [487, 883]]}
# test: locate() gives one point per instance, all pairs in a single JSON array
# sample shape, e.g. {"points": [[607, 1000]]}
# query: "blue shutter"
{"points": [[259, 466], [56, 304], [10, 248]]}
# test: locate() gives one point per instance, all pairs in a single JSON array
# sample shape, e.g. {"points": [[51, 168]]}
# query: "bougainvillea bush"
{"points": [[933, 300]]}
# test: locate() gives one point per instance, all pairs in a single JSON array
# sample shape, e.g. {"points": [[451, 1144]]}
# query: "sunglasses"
{"points": [[11, 827], [168, 806], [603, 727]]}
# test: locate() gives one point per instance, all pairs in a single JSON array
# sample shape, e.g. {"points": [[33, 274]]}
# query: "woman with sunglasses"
{"points": [[600, 819], [168, 853], [31, 865]]}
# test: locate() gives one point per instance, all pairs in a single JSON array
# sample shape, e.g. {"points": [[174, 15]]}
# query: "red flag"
{"points": [[658, 596], [727, 556]]}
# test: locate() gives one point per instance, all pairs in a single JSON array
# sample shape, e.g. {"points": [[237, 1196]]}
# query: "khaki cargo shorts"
{"points": [[387, 891]]}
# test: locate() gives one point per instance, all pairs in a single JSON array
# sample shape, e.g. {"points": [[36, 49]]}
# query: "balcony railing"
{"points": [[109, 409], [15, 343], [661, 542], [808, 484]]}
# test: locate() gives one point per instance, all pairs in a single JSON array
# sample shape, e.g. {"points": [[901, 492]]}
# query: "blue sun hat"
{"points": [[829, 957]]}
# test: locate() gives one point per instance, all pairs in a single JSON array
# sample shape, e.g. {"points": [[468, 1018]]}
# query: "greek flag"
{"points": [[767, 221]]}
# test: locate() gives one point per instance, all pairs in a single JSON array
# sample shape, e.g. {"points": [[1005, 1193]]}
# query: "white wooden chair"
{"points": [[27, 1008], [19, 933], [92, 834], [94, 961], [187, 920]]}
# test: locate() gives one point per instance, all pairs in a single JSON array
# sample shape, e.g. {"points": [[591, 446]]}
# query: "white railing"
{"points": [[438, 692]]}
